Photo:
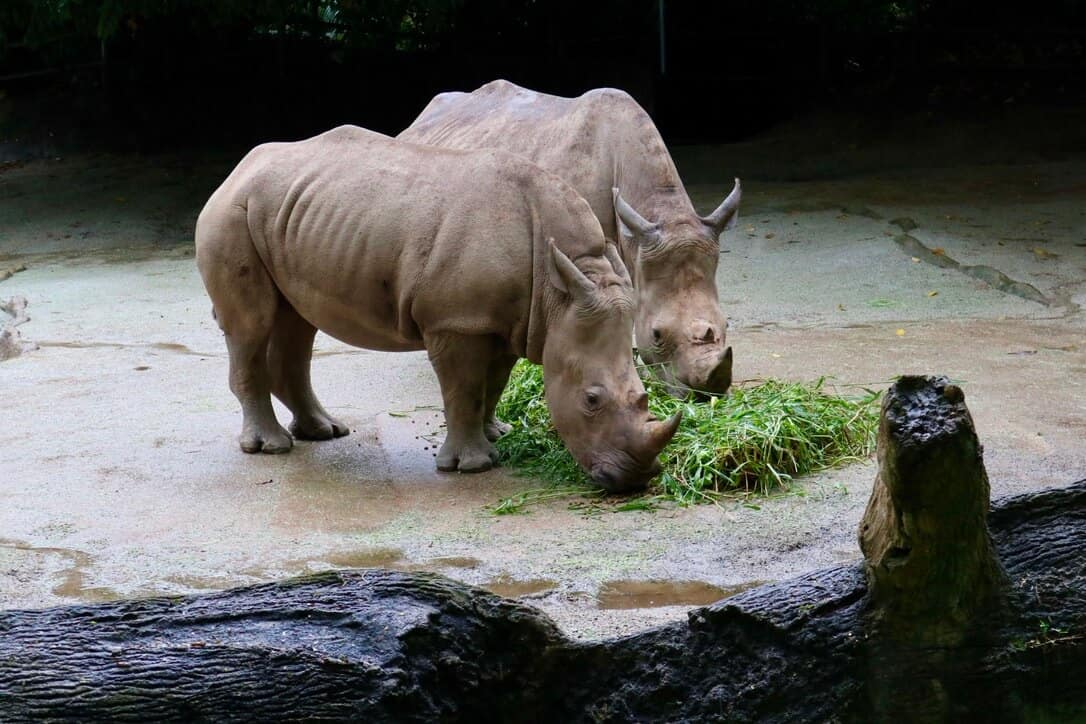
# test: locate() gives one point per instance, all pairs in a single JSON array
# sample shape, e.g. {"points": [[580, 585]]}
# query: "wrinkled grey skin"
{"points": [[478, 257], [604, 143]]}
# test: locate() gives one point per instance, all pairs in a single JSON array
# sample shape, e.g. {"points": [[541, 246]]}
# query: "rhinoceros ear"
{"points": [[565, 276], [726, 214], [632, 225]]}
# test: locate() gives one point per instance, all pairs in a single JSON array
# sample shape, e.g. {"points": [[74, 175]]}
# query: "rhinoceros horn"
{"points": [[632, 225], [660, 433], [565, 276], [725, 215]]}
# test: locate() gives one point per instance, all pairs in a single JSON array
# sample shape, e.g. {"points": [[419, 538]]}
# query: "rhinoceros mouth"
{"points": [[715, 381], [617, 478]]}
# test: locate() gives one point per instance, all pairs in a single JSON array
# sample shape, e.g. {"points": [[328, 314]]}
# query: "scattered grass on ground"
{"points": [[752, 441]]}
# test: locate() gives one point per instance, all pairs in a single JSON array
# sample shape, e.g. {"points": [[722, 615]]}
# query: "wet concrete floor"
{"points": [[120, 475]]}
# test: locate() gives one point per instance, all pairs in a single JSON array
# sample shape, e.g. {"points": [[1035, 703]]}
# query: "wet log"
{"points": [[369, 645], [951, 617]]}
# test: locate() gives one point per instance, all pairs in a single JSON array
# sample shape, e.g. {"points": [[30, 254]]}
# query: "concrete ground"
{"points": [[120, 475]]}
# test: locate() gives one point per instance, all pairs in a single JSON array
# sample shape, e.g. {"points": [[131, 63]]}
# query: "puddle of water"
{"points": [[453, 562], [198, 583], [391, 558], [72, 579], [510, 588], [371, 558], [172, 347], [165, 346], [653, 594], [97, 594]]}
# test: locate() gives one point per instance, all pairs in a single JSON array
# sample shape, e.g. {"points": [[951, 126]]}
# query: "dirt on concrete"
{"points": [[121, 475]]}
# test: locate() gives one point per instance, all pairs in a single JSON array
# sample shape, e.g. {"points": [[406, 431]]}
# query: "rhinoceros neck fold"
{"points": [[537, 326], [561, 215], [532, 347]]}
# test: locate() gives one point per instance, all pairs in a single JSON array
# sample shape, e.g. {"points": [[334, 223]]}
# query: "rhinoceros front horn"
{"points": [[660, 433]]}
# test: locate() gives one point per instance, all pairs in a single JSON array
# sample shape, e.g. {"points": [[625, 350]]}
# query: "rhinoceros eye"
{"points": [[593, 398]]}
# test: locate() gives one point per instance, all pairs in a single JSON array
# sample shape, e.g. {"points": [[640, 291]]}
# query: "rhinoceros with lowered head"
{"points": [[478, 257], [607, 147]]}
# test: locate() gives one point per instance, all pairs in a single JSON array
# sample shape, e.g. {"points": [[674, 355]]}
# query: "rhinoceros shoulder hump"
{"points": [[500, 86], [612, 100], [349, 134]]}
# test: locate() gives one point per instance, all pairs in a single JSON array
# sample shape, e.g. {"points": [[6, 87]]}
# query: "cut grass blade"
{"points": [[515, 504], [755, 440]]}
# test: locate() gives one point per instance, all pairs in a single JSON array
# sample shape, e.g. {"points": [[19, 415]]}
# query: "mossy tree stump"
{"points": [[930, 563], [932, 571]]}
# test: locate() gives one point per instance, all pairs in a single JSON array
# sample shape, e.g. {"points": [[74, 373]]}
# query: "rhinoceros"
{"points": [[607, 147], [478, 257]]}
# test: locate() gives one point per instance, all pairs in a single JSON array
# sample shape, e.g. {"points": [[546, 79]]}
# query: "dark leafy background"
{"points": [[154, 73]]}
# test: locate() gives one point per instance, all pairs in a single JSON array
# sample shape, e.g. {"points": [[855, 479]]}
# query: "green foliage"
{"points": [[36, 23], [532, 446], [753, 440], [758, 438]]}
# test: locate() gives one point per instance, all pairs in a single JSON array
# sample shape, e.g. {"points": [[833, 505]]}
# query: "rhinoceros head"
{"points": [[679, 326], [597, 401]]}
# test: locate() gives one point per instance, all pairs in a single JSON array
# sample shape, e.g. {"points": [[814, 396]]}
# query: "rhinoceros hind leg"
{"points": [[249, 381], [290, 352], [496, 428], [462, 363], [315, 428], [497, 377], [244, 299]]}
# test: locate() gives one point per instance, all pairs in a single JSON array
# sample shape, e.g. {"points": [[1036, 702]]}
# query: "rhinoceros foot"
{"points": [[318, 427], [272, 440], [466, 457], [495, 428]]}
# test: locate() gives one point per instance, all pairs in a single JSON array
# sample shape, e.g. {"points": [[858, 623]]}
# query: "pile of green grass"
{"points": [[754, 440]]}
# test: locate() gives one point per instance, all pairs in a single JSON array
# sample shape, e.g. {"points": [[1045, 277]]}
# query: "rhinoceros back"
{"points": [[596, 141], [377, 241]]}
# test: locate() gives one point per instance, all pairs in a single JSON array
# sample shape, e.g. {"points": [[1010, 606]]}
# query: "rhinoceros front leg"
{"points": [[462, 364], [290, 352], [497, 378]]}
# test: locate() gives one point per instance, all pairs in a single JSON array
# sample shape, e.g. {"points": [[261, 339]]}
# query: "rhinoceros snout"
{"points": [[708, 375], [720, 379], [621, 472], [614, 479]]}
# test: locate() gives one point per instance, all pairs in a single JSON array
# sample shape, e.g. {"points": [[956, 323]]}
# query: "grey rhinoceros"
{"points": [[602, 143], [479, 257]]}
